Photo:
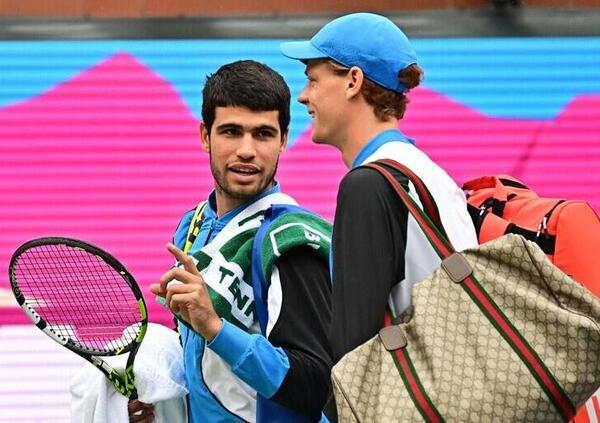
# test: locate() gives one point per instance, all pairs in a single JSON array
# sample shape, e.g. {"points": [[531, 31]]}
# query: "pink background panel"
{"points": [[112, 156]]}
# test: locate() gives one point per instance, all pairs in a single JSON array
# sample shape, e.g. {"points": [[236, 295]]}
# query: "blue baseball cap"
{"points": [[372, 42]]}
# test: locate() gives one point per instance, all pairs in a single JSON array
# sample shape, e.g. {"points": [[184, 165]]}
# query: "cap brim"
{"points": [[301, 50]]}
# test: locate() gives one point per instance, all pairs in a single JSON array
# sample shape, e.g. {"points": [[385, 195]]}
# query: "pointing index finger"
{"points": [[183, 258]]}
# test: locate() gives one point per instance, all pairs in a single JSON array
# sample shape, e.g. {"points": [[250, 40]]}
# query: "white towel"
{"points": [[159, 379]]}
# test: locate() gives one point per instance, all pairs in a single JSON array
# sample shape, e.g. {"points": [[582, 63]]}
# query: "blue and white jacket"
{"points": [[236, 376]]}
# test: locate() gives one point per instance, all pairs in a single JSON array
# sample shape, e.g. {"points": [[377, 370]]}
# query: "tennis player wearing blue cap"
{"points": [[360, 68]]}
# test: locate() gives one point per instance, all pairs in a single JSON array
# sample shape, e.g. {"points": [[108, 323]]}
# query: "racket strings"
{"points": [[80, 296]]}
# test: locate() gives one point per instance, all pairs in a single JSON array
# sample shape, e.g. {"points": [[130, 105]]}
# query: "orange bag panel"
{"points": [[577, 250], [492, 227], [528, 214]]}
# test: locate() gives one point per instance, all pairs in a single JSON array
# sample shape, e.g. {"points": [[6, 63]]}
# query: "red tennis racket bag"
{"points": [[568, 231]]}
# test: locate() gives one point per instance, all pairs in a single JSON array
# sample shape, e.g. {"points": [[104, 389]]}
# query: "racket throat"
{"points": [[124, 384], [98, 362]]}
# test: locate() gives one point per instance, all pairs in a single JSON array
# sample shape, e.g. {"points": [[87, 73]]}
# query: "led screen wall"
{"points": [[99, 141]]}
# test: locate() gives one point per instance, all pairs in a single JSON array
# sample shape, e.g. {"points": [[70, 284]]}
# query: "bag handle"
{"points": [[499, 195], [499, 183]]}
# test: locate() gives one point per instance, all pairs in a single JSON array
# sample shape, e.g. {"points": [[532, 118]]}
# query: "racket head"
{"points": [[79, 295]]}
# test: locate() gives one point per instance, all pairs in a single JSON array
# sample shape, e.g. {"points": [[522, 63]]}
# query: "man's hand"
{"points": [[187, 295], [140, 412]]}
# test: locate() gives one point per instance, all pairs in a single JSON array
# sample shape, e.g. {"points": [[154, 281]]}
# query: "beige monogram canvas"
{"points": [[468, 370]]}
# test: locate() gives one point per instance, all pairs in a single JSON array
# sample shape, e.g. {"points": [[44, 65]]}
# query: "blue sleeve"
{"points": [[252, 358]]}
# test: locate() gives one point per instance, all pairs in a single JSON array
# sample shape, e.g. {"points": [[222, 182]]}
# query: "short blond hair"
{"points": [[386, 103]]}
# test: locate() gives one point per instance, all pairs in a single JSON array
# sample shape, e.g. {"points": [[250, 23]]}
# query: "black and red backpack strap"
{"points": [[427, 201]]}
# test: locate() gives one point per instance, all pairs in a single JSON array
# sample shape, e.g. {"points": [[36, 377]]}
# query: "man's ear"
{"points": [[204, 137], [354, 81], [284, 140]]}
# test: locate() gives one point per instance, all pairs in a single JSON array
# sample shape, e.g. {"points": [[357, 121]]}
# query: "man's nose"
{"points": [[246, 148], [303, 97]]}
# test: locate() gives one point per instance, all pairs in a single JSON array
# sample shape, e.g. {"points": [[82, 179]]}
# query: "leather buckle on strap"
{"points": [[457, 267], [393, 338]]}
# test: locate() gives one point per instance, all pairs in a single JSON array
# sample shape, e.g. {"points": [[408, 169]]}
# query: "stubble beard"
{"points": [[223, 187]]}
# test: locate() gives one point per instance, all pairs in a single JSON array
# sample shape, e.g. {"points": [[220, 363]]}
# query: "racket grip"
{"points": [[174, 282]]}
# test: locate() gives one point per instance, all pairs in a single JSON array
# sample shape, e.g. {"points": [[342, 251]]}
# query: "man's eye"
{"points": [[230, 132], [264, 134]]}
